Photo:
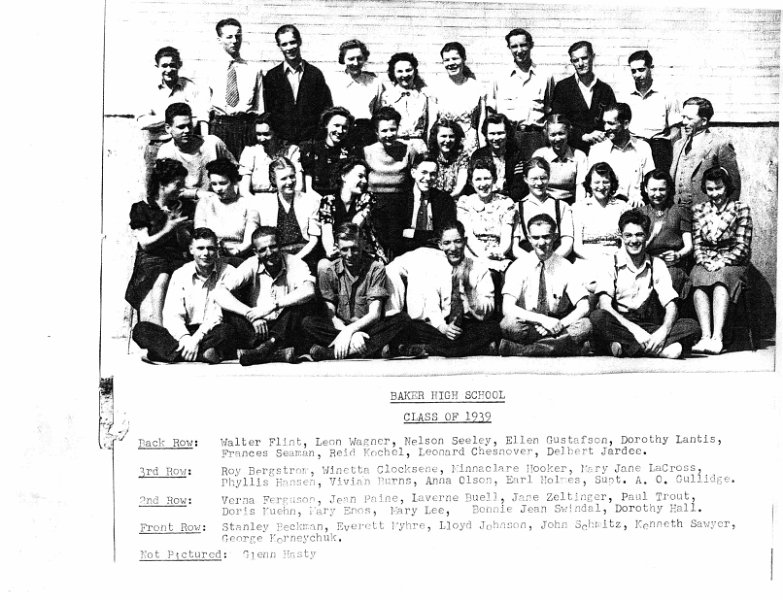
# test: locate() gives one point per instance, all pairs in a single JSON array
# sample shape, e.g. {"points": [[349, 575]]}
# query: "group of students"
{"points": [[536, 223]]}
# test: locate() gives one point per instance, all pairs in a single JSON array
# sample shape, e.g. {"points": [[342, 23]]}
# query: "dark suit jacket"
{"points": [[515, 187], [708, 150], [443, 210], [296, 120], [568, 100]]}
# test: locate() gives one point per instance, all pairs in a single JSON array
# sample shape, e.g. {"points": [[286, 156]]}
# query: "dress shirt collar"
{"points": [[525, 75], [364, 78], [229, 60], [629, 145], [288, 69], [590, 87], [553, 156], [623, 260], [216, 268], [397, 92], [262, 268], [649, 92], [340, 268], [177, 87]]}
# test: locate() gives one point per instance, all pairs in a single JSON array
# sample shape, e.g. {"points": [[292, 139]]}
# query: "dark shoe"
{"points": [[413, 350], [283, 355], [257, 355], [320, 353], [386, 351], [211, 356]]}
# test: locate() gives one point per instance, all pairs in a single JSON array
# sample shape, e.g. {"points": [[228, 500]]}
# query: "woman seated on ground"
{"points": [[722, 234], [503, 152], [407, 96], [390, 162], [568, 166], [255, 160], [539, 201], [351, 204], [670, 228], [162, 226], [226, 213], [291, 214], [596, 236], [445, 143], [321, 156], [488, 217], [458, 96]]}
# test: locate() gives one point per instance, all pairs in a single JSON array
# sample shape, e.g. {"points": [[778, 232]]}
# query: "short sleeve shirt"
{"points": [[631, 286], [351, 295]]}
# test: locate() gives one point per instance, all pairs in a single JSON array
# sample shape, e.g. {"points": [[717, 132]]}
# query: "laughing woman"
{"points": [[320, 157], [446, 144], [722, 233]]}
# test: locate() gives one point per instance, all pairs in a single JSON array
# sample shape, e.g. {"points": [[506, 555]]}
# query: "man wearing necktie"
{"points": [[545, 305], [698, 150], [237, 91], [427, 208], [449, 297]]}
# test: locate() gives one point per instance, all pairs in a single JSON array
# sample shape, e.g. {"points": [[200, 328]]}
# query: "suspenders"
{"points": [[524, 224]]}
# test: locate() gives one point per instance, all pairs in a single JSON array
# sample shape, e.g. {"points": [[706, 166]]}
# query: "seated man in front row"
{"points": [[449, 298], [354, 288], [545, 305], [269, 295], [192, 323], [637, 314]]}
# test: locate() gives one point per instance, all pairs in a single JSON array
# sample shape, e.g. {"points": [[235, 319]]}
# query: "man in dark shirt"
{"points": [[583, 99], [295, 92], [354, 289]]}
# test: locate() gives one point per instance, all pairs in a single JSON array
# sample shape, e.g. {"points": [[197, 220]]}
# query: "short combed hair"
{"points": [[279, 164], [165, 171], [352, 45], [659, 175], [718, 174], [384, 113], [407, 57], [231, 21], [448, 226], [424, 157], [224, 168], [519, 31], [542, 219], [603, 169], [641, 55], [348, 231], [496, 119], [264, 230], [623, 111], [205, 233], [634, 217], [483, 163], [330, 113], [169, 51], [177, 109], [444, 123], [704, 106], [288, 28], [537, 162], [581, 44]]}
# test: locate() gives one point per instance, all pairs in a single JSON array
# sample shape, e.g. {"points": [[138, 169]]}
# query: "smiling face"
{"points": [[537, 180], [446, 140], [387, 132], [483, 181], [657, 192], [613, 127], [692, 123], [404, 74], [520, 48], [354, 60], [634, 240], [290, 47], [716, 191], [542, 238], [453, 246], [557, 134], [496, 136], [355, 180], [264, 134], [230, 39], [268, 252], [204, 253], [600, 186], [286, 182], [223, 187], [169, 70], [424, 175], [642, 74], [453, 63], [336, 129], [582, 61], [350, 251], [181, 129]]}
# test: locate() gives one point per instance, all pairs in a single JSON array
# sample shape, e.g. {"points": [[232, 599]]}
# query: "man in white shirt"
{"points": [[630, 157], [656, 114], [237, 91]]}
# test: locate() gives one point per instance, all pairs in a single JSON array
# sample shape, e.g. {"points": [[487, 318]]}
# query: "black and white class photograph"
{"points": [[413, 188]]}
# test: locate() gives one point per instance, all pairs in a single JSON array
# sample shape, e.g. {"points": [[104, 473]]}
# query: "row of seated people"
{"points": [[453, 300]]}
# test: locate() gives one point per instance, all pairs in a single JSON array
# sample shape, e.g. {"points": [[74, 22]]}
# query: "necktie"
{"points": [[457, 311], [421, 215], [232, 91], [541, 307]]}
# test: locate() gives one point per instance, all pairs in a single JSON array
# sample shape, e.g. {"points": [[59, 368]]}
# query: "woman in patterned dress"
{"points": [[446, 144], [722, 234]]}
